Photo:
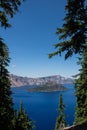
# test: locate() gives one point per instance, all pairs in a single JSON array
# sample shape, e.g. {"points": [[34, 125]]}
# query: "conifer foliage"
{"points": [[73, 36], [74, 30], [81, 91], [22, 121], [8, 8], [8, 119], [60, 121], [6, 105]]}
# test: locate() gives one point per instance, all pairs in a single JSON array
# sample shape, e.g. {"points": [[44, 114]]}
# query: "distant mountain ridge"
{"points": [[18, 81]]}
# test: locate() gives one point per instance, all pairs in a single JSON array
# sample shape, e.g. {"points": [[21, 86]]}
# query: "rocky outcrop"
{"points": [[77, 127], [18, 81]]}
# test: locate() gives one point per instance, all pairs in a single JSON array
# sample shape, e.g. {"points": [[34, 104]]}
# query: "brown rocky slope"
{"points": [[18, 81]]}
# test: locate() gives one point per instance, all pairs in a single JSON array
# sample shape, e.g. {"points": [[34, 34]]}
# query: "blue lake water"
{"points": [[42, 107]]}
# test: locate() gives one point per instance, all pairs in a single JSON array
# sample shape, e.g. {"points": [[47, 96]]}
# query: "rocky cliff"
{"points": [[18, 81]]}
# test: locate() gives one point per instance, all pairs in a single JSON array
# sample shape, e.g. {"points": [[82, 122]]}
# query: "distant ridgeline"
{"points": [[55, 81]]}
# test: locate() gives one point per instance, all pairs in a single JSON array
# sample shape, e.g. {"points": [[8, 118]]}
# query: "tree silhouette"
{"points": [[73, 36], [8, 8], [6, 105], [60, 121], [22, 120]]}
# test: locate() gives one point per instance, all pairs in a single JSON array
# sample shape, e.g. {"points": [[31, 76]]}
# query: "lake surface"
{"points": [[42, 107]]}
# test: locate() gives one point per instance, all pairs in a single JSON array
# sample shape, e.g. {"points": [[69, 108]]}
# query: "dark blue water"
{"points": [[42, 107]]}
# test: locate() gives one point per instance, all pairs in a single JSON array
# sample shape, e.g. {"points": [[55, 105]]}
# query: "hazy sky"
{"points": [[32, 37]]}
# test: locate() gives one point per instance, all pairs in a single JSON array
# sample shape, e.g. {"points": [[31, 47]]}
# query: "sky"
{"points": [[31, 39]]}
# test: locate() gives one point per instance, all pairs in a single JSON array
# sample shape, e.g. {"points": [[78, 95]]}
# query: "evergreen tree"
{"points": [[81, 91], [74, 30], [6, 105], [60, 121], [73, 36], [22, 120], [8, 8]]}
